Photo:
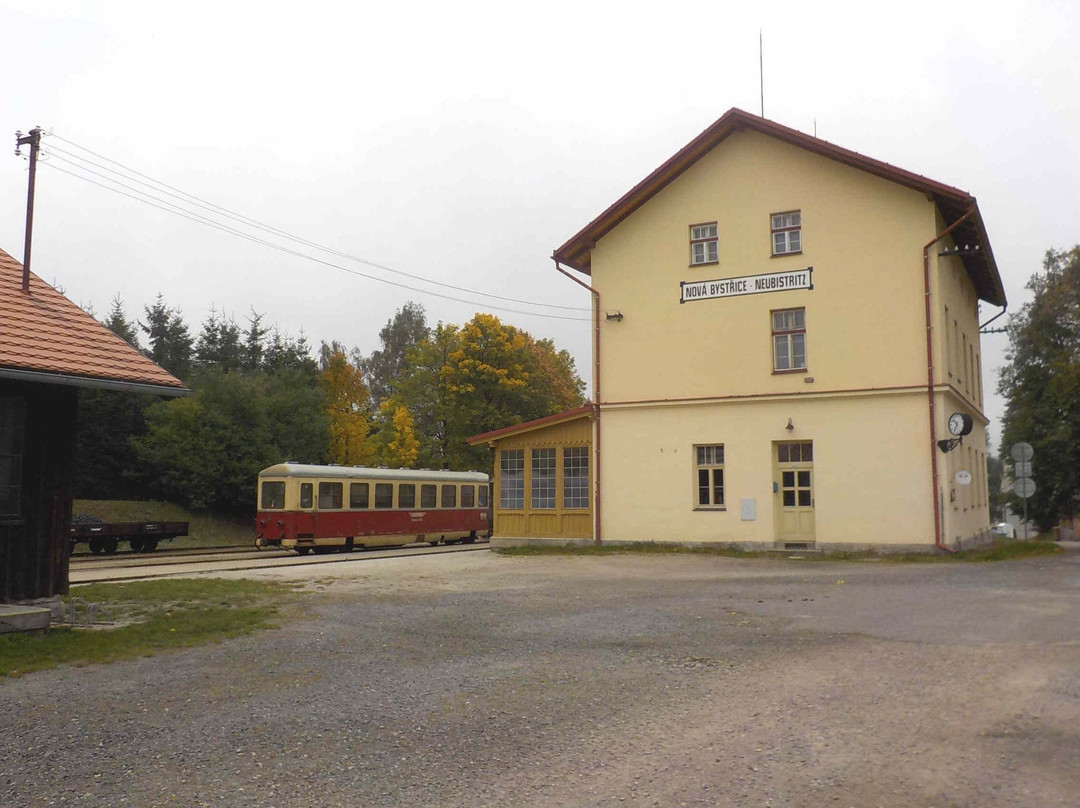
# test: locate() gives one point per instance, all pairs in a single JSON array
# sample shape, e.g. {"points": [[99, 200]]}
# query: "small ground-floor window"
{"points": [[709, 475]]}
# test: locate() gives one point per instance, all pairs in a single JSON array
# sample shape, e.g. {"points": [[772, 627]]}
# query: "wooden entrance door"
{"points": [[795, 503]]}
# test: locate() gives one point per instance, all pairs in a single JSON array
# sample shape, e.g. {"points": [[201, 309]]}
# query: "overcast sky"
{"points": [[463, 142]]}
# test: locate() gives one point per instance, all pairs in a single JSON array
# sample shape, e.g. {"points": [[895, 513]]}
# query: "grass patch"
{"points": [[205, 529], [153, 616], [1000, 550]]}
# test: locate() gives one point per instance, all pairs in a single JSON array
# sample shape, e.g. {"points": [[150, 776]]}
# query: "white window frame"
{"points": [[575, 477], [709, 477], [544, 467], [788, 333], [786, 232], [512, 479], [704, 244]]}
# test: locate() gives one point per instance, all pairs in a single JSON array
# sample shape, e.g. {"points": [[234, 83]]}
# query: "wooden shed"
{"points": [[49, 348], [543, 478]]}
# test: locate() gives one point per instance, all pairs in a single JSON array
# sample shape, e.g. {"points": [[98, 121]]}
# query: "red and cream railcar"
{"points": [[330, 508]]}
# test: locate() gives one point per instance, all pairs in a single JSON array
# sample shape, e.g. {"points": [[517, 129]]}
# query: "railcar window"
{"points": [[307, 492], [358, 495], [330, 495], [273, 496], [481, 500], [406, 495], [468, 496], [384, 495], [449, 496], [428, 494]]}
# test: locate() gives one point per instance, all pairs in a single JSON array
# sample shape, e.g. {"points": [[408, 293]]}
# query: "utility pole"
{"points": [[33, 140]]}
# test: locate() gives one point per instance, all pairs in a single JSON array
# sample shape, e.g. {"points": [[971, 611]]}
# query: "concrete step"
{"points": [[22, 618]]}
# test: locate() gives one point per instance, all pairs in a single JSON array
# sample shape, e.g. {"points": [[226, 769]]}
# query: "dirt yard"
{"points": [[481, 680]]}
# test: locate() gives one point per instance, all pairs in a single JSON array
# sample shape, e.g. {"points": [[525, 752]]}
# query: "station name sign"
{"points": [[747, 285]]}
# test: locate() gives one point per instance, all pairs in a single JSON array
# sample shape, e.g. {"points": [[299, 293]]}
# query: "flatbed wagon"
{"points": [[142, 537]]}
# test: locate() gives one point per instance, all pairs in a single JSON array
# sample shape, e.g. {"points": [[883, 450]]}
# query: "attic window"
{"points": [[787, 232], [703, 244]]}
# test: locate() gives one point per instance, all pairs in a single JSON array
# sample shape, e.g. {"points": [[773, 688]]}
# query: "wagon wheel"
{"points": [[302, 550], [149, 545], [96, 546], [348, 548], [470, 539], [137, 545], [434, 543], [110, 544]]}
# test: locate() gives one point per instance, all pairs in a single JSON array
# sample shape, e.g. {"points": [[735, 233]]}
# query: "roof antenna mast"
{"points": [[761, 71]]}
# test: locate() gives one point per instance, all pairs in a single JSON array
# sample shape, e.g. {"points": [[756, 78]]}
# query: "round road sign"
{"points": [[1024, 487], [1022, 451]]}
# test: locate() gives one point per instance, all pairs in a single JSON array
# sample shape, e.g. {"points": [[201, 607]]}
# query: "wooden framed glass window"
{"points": [[406, 495], [449, 496], [709, 475], [428, 496], [789, 339], [512, 479], [576, 477], [358, 495], [330, 496], [542, 493], [703, 244], [307, 495], [786, 232], [468, 496], [384, 495], [482, 497]]}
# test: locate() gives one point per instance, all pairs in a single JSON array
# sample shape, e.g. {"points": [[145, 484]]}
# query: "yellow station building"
{"points": [[787, 352]]}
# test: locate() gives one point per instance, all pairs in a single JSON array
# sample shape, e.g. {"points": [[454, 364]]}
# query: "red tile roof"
{"points": [[45, 337], [952, 202]]}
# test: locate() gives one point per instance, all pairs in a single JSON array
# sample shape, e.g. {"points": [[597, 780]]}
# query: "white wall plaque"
{"points": [[747, 285]]}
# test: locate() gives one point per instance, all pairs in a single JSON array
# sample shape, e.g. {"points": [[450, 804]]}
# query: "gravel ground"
{"points": [[481, 680]]}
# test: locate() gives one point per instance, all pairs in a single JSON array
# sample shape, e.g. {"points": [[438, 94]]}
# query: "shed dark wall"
{"points": [[35, 548]]}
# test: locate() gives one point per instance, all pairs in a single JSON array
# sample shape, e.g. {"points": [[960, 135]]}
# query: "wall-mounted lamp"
{"points": [[614, 315], [790, 426]]}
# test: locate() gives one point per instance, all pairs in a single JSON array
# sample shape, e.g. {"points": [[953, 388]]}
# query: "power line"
{"points": [[191, 199], [233, 231]]}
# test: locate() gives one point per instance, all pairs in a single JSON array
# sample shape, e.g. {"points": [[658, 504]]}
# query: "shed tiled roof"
{"points": [[46, 337]]}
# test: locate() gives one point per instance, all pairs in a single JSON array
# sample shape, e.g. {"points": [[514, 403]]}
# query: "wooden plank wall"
{"points": [[35, 549]]}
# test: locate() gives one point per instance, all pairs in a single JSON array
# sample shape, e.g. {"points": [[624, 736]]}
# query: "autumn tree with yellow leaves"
{"points": [[482, 376], [347, 410]]}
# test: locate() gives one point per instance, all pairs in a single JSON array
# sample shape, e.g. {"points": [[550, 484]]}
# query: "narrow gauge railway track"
{"points": [[166, 559], [86, 557], [148, 569]]}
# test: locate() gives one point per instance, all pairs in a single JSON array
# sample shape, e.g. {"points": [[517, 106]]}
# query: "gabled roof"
{"points": [[44, 337], [584, 411], [952, 202]]}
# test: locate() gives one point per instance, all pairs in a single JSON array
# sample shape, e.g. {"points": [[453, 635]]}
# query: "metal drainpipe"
{"points": [[935, 482], [596, 392]]}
